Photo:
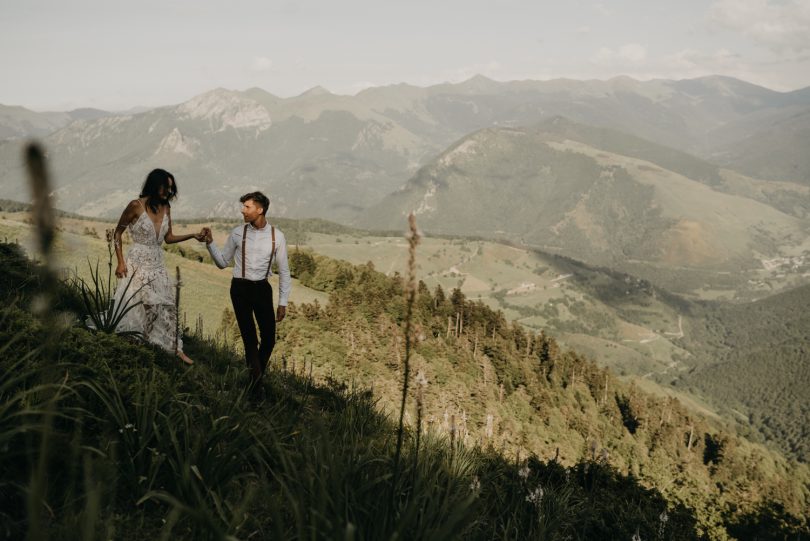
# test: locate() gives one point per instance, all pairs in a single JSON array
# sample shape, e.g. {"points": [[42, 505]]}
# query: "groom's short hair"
{"points": [[258, 198]]}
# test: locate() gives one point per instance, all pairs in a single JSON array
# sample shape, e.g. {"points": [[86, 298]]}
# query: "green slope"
{"points": [[636, 329], [316, 460], [755, 363]]}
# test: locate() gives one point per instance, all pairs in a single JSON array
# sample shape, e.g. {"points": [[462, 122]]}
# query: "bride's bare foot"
{"points": [[184, 358]]}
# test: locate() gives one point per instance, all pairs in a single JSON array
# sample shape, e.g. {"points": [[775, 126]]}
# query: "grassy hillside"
{"points": [[82, 241], [110, 439], [539, 290], [146, 447], [639, 331]]}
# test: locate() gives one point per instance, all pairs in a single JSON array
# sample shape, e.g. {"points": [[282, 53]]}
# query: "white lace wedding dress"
{"points": [[156, 317]]}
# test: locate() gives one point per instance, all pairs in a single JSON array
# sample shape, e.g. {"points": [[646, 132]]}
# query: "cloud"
{"points": [[784, 73], [778, 25], [583, 29], [261, 63], [601, 9], [687, 60], [627, 54]]}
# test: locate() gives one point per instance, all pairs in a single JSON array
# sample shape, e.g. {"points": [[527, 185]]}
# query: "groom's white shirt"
{"points": [[258, 246]]}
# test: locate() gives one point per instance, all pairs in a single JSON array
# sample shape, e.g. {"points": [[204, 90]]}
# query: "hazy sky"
{"points": [[63, 54]]}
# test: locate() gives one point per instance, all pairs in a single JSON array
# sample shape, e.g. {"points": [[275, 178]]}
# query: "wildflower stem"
{"points": [[410, 295], [46, 233], [40, 188], [177, 312]]}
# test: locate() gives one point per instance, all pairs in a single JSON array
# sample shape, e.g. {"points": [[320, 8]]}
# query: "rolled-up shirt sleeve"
{"points": [[284, 282], [222, 259]]}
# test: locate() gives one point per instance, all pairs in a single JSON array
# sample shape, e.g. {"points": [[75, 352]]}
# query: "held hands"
{"points": [[281, 311], [203, 235], [121, 270]]}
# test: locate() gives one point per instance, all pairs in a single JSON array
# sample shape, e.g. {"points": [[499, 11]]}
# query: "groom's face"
{"points": [[251, 211]]}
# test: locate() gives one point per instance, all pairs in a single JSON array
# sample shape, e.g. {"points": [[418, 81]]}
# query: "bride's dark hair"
{"points": [[155, 180]]}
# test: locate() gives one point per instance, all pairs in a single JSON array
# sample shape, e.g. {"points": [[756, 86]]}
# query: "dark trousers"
{"points": [[251, 299]]}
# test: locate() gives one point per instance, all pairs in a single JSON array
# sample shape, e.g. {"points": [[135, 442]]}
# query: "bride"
{"points": [[150, 224]]}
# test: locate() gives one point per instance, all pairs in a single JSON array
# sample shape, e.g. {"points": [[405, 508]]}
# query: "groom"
{"points": [[254, 247]]}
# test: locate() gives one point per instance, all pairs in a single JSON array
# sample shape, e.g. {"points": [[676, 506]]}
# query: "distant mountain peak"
{"points": [[724, 79], [88, 113], [216, 93], [624, 82], [221, 90], [256, 90], [314, 91], [226, 108], [384, 88], [479, 83], [723, 85], [478, 78], [622, 79]]}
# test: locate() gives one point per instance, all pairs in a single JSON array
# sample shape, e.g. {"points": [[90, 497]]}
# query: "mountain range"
{"points": [[18, 122], [332, 156], [696, 188]]}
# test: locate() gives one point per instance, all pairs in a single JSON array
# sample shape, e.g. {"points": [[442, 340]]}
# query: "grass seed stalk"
{"points": [[410, 296]]}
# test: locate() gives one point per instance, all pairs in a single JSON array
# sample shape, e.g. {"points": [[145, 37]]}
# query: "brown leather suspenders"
{"points": [[244, 240], [272, 252]]}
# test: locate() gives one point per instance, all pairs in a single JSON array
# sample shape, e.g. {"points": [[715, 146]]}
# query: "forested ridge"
{"points": [[521, 392], [755, 357], [750, 360]]}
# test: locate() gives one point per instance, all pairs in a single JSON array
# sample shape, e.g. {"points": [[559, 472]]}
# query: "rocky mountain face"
{"points": [[220, 145], [320, 154]]}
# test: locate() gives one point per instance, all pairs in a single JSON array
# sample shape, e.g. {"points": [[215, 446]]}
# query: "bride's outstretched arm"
{"points": [[127, 217], [171, 238]]}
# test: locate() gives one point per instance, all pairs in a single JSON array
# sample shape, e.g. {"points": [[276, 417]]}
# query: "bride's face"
{"points": [[166, 190]]}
